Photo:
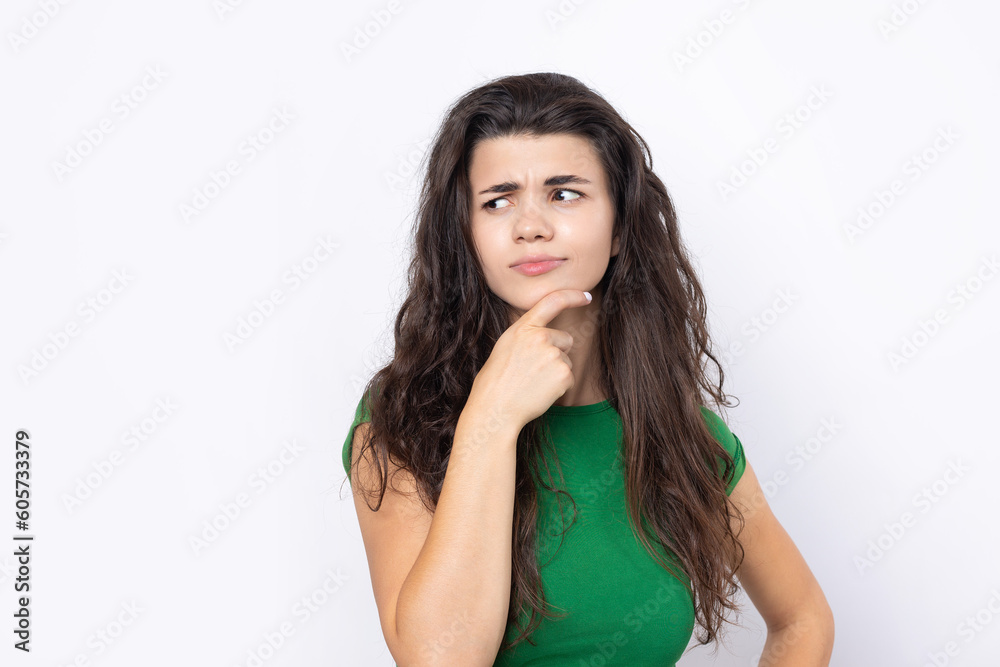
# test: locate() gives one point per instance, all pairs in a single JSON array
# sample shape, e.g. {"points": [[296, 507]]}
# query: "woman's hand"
{"points": [[528, 368]]}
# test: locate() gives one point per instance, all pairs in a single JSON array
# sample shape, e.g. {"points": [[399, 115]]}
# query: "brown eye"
{"points": [[487, 205], [576, 194]]}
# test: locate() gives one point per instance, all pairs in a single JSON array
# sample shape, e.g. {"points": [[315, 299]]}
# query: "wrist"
{"points": [[488, 421]]}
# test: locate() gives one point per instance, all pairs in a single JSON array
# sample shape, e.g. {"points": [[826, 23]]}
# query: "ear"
{"points": [[614, 246]]}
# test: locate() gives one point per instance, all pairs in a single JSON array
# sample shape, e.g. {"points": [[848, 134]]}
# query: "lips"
{"points": [[538, 268], [534, 259]]}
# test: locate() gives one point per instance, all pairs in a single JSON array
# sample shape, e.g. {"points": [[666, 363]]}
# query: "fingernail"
{"points": [[589, 297]]}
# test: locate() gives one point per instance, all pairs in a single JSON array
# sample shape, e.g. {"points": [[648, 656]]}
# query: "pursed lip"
{"points": [[532, 259]]}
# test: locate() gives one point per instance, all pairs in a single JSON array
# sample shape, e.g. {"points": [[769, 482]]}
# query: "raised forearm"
{"points": [[452, 608]]}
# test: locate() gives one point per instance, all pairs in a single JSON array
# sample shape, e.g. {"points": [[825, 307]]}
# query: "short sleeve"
{"points": [[730, 442], [361, 415]]}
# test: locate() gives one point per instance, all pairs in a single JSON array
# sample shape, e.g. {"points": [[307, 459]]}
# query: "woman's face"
{"points": [[540, 195]]}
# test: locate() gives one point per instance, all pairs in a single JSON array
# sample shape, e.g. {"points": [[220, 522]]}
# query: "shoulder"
{"points": [[719, 429], [725, 437], [361, 414]]}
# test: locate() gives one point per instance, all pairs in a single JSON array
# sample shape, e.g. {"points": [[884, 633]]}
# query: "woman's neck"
{"points": [[582, 323]]}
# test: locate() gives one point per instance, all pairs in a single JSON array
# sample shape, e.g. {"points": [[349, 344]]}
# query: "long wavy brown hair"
{"points": [[654, 347]]}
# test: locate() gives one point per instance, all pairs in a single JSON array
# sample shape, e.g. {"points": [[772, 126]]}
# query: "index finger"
{"points": [[554, 303]]}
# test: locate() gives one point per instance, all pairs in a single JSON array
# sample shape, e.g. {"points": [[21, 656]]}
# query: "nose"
{"points": [[531, 222]]}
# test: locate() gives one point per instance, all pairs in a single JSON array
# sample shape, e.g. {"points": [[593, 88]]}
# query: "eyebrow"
{"points": [[511, 186]]}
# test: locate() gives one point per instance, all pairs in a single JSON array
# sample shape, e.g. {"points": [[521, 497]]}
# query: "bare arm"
{"points": [[774, 574], [442, 581], [460, 583]]}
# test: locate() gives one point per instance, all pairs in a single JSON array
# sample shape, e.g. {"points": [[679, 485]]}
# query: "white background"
{"points": [[339, 173]]}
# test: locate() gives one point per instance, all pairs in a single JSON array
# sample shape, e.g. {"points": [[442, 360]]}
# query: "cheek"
{"points": [[486, 255], [489, 249], [481, 247]]}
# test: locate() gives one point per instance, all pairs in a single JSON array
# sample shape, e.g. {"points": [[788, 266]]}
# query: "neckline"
{"points": [[579, 409]]}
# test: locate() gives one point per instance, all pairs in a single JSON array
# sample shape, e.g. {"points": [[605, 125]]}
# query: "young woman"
{"points": [[536, 475]]}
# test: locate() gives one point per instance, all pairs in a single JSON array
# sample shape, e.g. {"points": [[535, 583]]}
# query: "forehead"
{"points": [[504, 158]]}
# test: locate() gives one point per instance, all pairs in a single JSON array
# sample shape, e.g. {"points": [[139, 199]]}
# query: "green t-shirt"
{"points": [[622, 607]]}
